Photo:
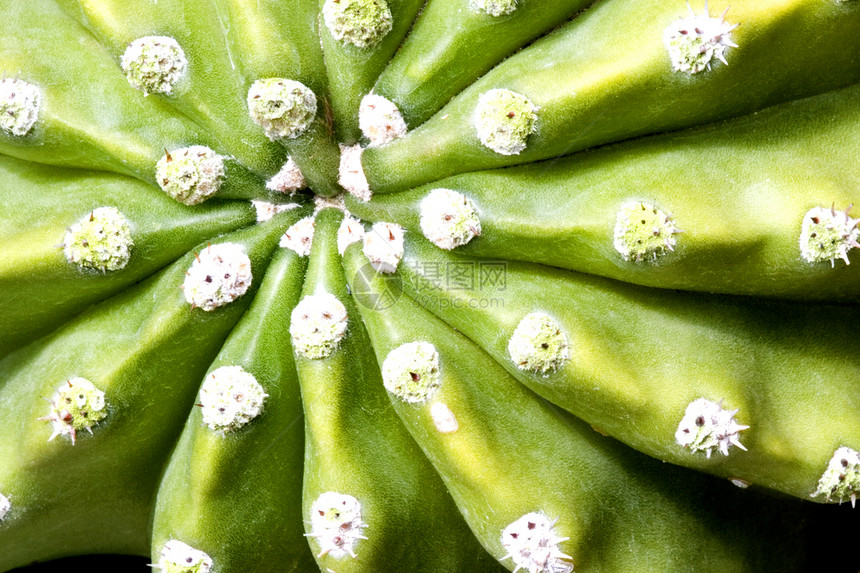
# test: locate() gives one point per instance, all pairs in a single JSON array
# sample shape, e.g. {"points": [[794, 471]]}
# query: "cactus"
{"points": [[451, 286]]}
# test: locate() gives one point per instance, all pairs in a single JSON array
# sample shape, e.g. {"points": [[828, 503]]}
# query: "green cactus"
{"points": [[345, 285]]}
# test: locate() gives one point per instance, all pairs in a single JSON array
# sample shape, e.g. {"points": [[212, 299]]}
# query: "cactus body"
{"points": [[598, 268]]}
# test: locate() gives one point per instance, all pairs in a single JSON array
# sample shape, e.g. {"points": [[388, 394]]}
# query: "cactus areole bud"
{"points": [[190, 174], [219, 275], [154, 64], [336, 524], [383, 246], [494, 8], [76, 405], [643, 231], [288, 180], [266, 211], [707, 426], [827, 235], [694, 42], [299, 238], [841, 479], [538, 344], [379, 120], [178, 557], [283, 108], [411, 371], [317, 325], [20, 103], [100, 241], [504, 120], [230, 398], [351, 173], [448, 219], [350, 231], [362, 23], [533, 545], [5, 506]]}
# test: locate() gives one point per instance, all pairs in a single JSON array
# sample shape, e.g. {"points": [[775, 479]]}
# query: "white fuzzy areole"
{"points": [[494, 8], [350, 231], [383, 246], [100, 241], [443, 418], [299, 238], [179, 557], [504, 120], [76, 405], [230, 397], [220, 274], [266, 210], [707, 426], [411, 372], [695, 41], [154, 64], [379, 120], [5, 506], [284, 108], [538, 343], [827, 235], [336, 524], [841, 479], [643, 232], [533, 545], [362, 23], [351, 173], [449, 219], [190, 174], [20, 103], [288, 180], [317, 325]]}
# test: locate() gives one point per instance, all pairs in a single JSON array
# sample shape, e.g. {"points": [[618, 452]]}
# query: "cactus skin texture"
{"points": [[451, 286]]}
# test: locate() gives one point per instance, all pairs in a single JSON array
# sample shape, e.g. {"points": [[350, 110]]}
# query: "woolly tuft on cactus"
{"points": [[253, 323]]}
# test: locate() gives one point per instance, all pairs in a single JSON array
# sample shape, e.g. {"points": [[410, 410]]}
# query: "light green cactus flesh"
{"points": [[455, 286]]}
